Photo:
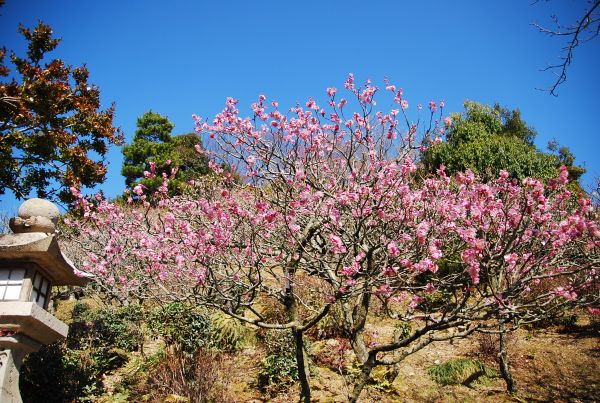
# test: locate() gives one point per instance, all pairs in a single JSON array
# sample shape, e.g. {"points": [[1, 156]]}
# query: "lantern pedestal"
{"points": [[12, 350]]}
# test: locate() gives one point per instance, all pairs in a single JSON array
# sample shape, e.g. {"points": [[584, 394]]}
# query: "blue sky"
{"points": [[183, 57]]}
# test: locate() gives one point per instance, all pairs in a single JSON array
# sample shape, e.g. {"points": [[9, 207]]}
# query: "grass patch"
{"points": [[463, 371]]}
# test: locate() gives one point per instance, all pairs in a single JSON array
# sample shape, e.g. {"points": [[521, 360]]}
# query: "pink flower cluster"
{"points": [[337, 195]]}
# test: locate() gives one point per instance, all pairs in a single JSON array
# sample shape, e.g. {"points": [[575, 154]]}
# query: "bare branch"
{"points": [[580, 32]]}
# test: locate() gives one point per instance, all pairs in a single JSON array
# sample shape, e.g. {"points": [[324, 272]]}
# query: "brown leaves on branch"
{"points": [[53, 134]]}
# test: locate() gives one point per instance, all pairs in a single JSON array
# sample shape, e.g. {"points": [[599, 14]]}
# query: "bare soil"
{"points": [[548, 365]]}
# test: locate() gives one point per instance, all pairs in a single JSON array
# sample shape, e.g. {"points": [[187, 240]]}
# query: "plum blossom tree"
{"points": [[333, 213]]}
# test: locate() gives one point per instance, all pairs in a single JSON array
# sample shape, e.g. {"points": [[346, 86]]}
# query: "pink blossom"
{"points": [[430, 288], [422, 230], [593, 310], [138, 190], [511, 259], [563, 176], [384, 290], [337, 244], [393, 249]]}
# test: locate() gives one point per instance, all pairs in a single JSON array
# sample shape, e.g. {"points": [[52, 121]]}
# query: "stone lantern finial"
{"points": [[35, 215]]}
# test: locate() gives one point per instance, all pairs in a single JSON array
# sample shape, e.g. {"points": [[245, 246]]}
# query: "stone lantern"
{"points": [[30, 264]]}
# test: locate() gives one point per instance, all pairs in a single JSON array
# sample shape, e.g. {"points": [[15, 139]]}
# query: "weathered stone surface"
{"points": [[20, 225], [12, 350], [29, 319], [39, 207], [42, 249], [10, 365], [26, 326]]}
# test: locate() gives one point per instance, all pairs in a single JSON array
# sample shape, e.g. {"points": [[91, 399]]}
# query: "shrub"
{"points": [[278, 369], [331, 326], [72, 369], [175, 375], [335, 354], [181, 326], [229, 334]]}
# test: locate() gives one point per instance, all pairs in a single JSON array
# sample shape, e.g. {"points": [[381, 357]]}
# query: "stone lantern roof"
{"points": [[34, 241]]}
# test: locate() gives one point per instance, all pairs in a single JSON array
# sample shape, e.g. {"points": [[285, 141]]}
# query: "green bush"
{"points": [[181, 325], [278, 369], [71, 369], [229, 334]]}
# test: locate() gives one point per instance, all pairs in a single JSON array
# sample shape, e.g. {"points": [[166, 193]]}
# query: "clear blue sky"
{"points": [[185, 57]]}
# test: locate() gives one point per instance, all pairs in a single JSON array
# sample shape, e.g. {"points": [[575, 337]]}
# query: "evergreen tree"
{"points": [[154, 143]]}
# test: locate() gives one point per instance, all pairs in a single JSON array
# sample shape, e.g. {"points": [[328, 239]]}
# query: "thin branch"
{"points": [[589, 24]]}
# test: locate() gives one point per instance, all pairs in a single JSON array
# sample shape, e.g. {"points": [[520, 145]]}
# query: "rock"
{"points": [[41, 208], [20, 225]]}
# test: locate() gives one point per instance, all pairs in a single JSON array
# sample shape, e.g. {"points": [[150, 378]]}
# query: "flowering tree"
{"points": [[333, 206]]}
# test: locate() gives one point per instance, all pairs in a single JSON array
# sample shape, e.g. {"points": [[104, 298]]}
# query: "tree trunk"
{"points": [[291, 306], [363, 380], [303, 373], [511, 385]]}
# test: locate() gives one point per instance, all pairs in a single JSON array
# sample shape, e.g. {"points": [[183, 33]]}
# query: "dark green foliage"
{"points": [[487, 140], [514, 126], [119, 328], [460, 371], [153, 142], [565, 157], [56, 374], [279, 367], [180, 326], [191, 164], [72, 369]]}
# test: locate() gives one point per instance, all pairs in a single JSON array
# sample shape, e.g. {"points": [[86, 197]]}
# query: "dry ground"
{"points": [[549, 365]]}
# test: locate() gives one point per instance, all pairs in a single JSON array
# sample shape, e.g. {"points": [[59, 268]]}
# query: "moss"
{"points": [[461, 371]]}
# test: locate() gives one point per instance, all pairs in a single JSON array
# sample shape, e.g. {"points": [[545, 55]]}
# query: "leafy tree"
{"points": [[191, 164], [488, 139], [155, 149], [565, 157], [53, 134], [151, 143]]}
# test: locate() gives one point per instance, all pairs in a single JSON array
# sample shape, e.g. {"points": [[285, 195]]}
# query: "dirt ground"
{"points": [[549, 366]]}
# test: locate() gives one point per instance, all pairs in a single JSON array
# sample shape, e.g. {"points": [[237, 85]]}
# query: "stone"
{"points": [[39, 208], [33, 249], [20, 225], [27, 318], [43, 250]]}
